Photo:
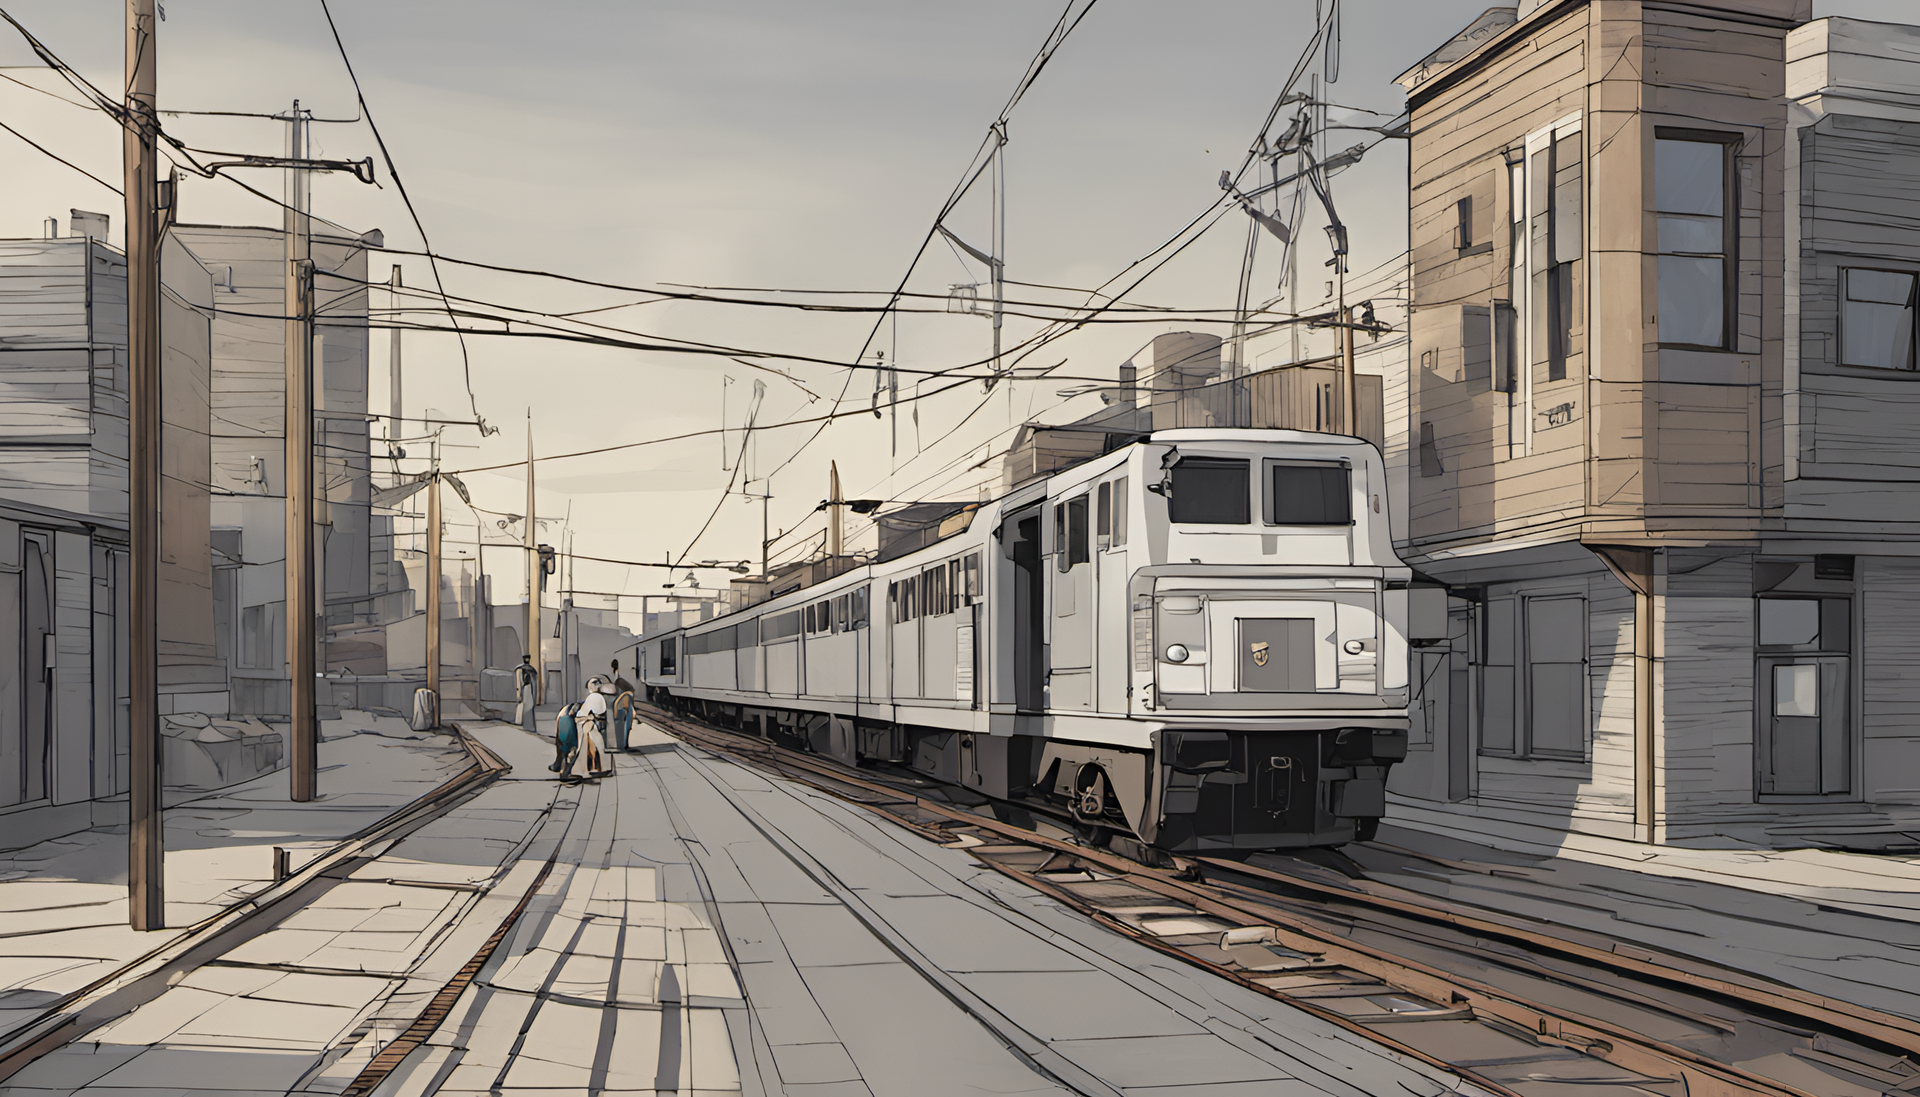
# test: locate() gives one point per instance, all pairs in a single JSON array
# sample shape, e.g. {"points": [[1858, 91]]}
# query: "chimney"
{"points": [[88, 224], [52, 229]]}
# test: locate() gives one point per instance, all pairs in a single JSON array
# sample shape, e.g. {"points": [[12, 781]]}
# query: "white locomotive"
{"points": [[1199, 639]]}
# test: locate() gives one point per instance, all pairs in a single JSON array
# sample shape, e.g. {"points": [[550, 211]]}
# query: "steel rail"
{"points": [[146, 977], [1251, 907]]}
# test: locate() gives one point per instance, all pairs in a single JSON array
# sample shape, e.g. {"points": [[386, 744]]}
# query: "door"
{"points": [[1070, 665], [1805, 742], [1021, 543], [36, 658]]}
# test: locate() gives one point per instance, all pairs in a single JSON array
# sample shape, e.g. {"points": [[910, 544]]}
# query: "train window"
{"points": [[1070, 533], [1210, 490], [1308, 495], [933, 592], [956, 585], [840, 614], [809, 612], [1103, 516], [669, 665], [824, 614], [780, 626], [857, 607], [1120, 512], [970, 578]]}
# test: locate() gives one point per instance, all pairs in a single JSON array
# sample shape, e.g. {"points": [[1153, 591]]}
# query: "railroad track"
{"points": [[1510, 1007]]}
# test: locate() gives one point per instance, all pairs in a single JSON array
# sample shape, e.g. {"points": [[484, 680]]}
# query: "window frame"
{"points": [[1840, 321], [1269, 497], [1729, 230], [1246, 472]]}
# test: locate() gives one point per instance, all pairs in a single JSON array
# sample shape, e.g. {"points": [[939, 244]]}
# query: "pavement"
{"points": [[1843, 925], [692, 926], [63, 902]]}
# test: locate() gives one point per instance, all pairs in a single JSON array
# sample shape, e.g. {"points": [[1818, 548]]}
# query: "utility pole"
{"points": [[393, 361], [534, 653], [999, 265], [835, 506], [305, 727], [145, 850], [433, 587]]}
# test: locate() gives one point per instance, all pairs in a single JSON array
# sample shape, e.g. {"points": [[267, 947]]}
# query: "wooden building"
{"points": [[1660, 425]]}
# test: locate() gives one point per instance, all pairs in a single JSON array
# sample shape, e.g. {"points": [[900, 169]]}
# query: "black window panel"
{"points": [[1077, 549], [1210, 490], [859, 608], [1103, 512], [1311, 495], [780, 626], [669, 663], [810, 627]]}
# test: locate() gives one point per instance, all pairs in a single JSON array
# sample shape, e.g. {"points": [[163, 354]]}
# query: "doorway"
{"points": [[1022, 546]]}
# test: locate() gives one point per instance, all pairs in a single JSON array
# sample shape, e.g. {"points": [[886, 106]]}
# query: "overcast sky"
{"points": [[770, 144]]}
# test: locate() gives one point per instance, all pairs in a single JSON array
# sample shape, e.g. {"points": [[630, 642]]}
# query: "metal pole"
{"points": [[433, 591], [393, 361], [534, 654], [146, 833], [305, 729], [1350, 414], [834, 509]]}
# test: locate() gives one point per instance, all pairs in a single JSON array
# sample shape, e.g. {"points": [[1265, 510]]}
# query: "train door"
{"points": [[903, 605], [1026, 616], [1070, 670], [1113, 615]]}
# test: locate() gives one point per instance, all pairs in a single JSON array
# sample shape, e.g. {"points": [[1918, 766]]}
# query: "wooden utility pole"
{"points": [[534, 653], [304, 734], [1349, 398], [433, 591], [140, 132]]}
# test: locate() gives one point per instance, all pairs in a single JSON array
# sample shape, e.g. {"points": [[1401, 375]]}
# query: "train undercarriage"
{"points": [[1218, 791]]}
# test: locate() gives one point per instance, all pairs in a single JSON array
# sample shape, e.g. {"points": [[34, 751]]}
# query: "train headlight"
{"points": [[1176, 653], [1354, 647]]}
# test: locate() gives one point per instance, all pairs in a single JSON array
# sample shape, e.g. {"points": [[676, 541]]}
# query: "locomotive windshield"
{"points": [[1212, 490], [1308, 495]]}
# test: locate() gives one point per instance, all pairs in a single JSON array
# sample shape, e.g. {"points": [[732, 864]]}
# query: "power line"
{"points": [[393, 171]]}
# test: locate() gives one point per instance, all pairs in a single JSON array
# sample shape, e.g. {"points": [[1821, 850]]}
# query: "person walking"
{"points": [[592, 716], [524, 678], [566, 743], [622, 693]]}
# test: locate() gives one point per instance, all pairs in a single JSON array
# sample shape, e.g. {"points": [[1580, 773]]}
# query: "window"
{"points": [[1876, 318], [1077, 547], [1211, 490], [933, 592], [902, 597], [810, 621], [1476, 345], [956, 585], [780, 626], [1806, 625], [1120, 512], [857, 607], [669, 657], [840, 614], [819, 618], [1308, 495], [970, 579], [1505, 374], [1554, 239], [1463, 223], [1497, 678], [1533, 677], [1691, 181], [1103, 515]]}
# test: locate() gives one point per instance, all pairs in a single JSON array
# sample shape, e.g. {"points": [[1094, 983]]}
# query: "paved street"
{"points": [[63, 902], [703, 930]]}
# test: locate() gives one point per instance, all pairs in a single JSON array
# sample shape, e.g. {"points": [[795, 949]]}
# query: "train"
{"points": [[1197, 641]]}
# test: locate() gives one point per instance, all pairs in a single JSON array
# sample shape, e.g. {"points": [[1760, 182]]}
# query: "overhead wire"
{"points": [[393, 172]]}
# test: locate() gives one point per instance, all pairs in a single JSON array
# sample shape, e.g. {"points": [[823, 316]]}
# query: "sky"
{"points": [[754, 143]]}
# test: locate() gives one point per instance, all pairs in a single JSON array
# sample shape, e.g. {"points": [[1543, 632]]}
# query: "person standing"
{"points": [[524, 677], [592, 716]]}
